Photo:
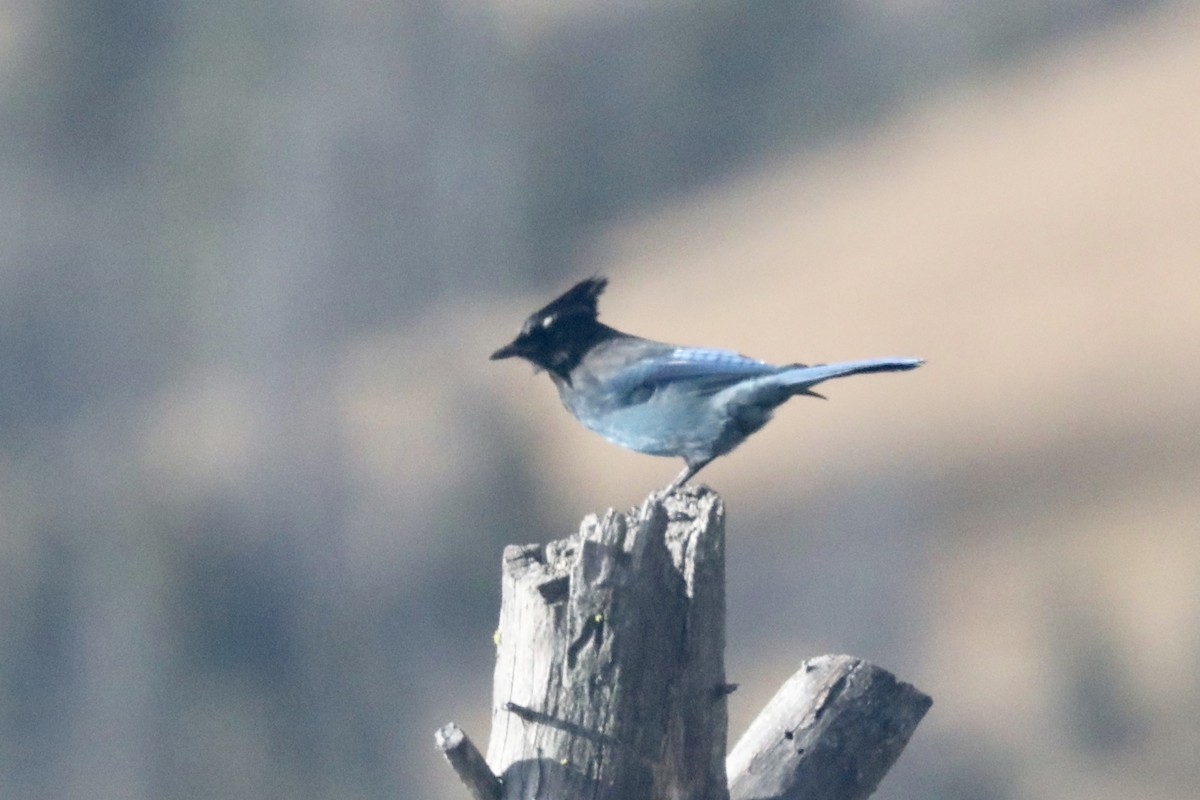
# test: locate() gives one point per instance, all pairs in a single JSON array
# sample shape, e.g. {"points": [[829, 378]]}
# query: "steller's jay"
{"points": [[663, 399]]}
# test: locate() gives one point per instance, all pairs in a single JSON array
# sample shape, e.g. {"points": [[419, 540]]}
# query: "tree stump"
{"points": [[610, 678]]}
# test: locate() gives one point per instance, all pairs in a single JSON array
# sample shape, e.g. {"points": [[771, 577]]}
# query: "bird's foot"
{"points": [[686, 475]]}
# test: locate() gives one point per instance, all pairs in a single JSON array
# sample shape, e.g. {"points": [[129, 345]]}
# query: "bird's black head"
{"points": [[557, 336]]}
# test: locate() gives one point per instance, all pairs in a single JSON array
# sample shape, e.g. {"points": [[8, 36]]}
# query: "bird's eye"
{"points": [[547, 321]]}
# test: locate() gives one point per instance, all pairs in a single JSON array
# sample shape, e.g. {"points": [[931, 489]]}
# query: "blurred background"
{"points": [[256, 471]]}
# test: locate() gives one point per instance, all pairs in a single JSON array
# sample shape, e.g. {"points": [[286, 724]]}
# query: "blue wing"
{"points": [[704, 369]]}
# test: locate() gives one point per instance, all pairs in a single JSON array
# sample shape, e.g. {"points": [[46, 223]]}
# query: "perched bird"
{"points": [[663, 399]]}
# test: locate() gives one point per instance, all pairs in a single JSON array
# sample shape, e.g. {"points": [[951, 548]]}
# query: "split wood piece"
{"points": [[467, 762], [610, 678], [830, 733]]}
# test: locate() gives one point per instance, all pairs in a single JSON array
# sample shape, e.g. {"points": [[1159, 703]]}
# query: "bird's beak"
{"points": [[508, 351]]}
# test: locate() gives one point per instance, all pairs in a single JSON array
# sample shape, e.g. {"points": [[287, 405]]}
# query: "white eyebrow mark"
{"points": [[547, 320]]}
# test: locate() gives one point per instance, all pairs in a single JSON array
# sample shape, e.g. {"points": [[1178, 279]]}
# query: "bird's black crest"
{"points": [[556, 336], [578, 301]]}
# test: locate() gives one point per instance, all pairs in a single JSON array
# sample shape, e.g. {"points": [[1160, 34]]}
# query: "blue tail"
{"points": [[800, 379]]}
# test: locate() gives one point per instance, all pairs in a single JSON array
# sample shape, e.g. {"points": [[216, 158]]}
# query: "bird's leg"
{"points": [[688, 473]]}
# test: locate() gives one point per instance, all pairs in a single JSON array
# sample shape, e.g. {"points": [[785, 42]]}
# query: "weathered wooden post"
{"points": [[610, 679]]}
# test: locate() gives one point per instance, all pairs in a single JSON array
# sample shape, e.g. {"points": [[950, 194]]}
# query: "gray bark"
{"points": [[610, 678], [610, 661]]}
